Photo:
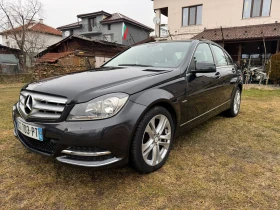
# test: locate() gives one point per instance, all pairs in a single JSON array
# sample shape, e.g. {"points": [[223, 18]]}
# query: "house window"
{"points": [[192, 15], [109, 27], [108, 37], [92, 23], [256, 8]]}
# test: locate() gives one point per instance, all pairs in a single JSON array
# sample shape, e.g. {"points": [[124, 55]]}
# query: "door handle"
{"points": [[218, 75]]}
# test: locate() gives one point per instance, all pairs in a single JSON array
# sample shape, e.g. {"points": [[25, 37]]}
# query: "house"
{"points": [[9, 60], [255, 43], [102, 25], [74, 53], [248, 29], [37, 38]]}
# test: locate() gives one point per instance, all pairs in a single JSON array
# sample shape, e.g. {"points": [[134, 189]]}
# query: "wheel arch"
{"points": [[240, 86], [158, 97], [153, 98]]}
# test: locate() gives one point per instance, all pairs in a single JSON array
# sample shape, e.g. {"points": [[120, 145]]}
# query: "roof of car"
{"points": [[187, 40]]}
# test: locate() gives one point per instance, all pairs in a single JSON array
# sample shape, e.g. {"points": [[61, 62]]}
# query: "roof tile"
{"points": [[120, 17], [53, 57], [38, 27], [242, 32]]}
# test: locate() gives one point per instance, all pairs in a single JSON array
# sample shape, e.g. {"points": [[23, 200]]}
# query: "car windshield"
{"points": [[168, 55]]}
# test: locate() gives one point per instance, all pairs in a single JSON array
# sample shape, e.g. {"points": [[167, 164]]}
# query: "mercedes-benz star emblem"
{"points": [[28, 105]]}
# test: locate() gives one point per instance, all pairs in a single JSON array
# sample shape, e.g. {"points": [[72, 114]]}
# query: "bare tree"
{"points": [[16, 17]]}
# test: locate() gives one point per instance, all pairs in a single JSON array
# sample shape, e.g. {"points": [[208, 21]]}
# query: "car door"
{"points": [[230, 77], [225, 71], [202, 88]]}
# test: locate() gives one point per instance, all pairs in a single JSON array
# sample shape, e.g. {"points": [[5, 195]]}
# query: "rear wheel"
{"points": [[152, 141], [235, 104]]}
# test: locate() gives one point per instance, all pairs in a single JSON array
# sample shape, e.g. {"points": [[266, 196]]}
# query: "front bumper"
{"points": [[100, 143]]}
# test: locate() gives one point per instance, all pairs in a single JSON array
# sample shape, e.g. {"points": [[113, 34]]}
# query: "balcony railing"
{"points": [[95, 29]]}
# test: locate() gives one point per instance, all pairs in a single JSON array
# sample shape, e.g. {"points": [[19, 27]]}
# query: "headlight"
{"points": [[99, 108]]}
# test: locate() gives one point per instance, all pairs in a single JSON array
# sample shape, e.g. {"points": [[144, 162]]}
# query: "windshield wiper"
{"points": [[141, 65]]}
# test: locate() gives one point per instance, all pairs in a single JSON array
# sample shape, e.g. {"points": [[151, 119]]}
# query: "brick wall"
{"points": [[64, 66], [44, 71]]}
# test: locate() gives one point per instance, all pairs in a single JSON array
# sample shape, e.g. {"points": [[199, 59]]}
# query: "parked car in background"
{"points": [[131, 108]]}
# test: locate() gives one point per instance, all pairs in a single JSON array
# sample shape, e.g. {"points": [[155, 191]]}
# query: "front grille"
{"points": [[47, 146], [38, 105]]}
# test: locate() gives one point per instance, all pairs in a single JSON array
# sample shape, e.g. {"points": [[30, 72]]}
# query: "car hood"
{"points": [[84, 86]]}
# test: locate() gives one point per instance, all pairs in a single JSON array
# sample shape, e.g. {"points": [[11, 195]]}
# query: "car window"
{"points": [[169, 55], [220, 56], [203, 54], [229, 60]]}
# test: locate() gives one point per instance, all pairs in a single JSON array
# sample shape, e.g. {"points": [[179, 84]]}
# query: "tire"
{"points": [[234, 109], [149, 151]]}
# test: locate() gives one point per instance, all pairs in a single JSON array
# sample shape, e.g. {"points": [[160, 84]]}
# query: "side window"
{"points": [[220, 56], [228, 58], [203, 54]]}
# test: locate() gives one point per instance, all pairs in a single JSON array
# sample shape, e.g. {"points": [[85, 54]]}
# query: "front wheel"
{"points": [[235, 104], [152, 140]]}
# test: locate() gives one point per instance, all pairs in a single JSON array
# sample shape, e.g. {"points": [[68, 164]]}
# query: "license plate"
{"points": [[30, 130]]}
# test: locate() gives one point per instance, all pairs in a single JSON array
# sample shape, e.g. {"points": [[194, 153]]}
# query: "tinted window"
{"points": [[168, 55], [220, 56], [203, 54], [229, 60]]}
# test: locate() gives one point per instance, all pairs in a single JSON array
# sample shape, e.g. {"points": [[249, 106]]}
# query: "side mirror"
{"points": [[203, 67]]}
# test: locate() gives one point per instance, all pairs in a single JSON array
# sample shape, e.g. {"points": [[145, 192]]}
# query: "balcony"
{"points": [[90, 30]]}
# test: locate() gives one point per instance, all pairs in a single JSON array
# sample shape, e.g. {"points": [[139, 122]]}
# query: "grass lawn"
{"points": [[221, 164]]}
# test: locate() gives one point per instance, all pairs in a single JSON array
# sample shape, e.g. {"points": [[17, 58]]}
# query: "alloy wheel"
{"points": [[237, 101], [156, 140]]}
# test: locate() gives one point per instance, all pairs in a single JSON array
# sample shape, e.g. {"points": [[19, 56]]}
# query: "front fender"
{"points": [[152, 97]]}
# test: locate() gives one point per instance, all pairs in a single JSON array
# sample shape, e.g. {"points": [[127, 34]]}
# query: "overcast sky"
{"points": [[62, 12]]}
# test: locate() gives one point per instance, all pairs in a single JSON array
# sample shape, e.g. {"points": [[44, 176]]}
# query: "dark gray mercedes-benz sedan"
{"points": [[130, 109]]}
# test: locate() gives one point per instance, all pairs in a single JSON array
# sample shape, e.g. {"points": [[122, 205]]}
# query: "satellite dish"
{"points": [[67, 33], [156, 20]]}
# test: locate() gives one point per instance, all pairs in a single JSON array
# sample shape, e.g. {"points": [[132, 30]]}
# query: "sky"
{"points": [[62, 12]]}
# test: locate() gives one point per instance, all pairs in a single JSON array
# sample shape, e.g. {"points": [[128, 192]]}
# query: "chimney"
{"points": [[41, 20]]}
